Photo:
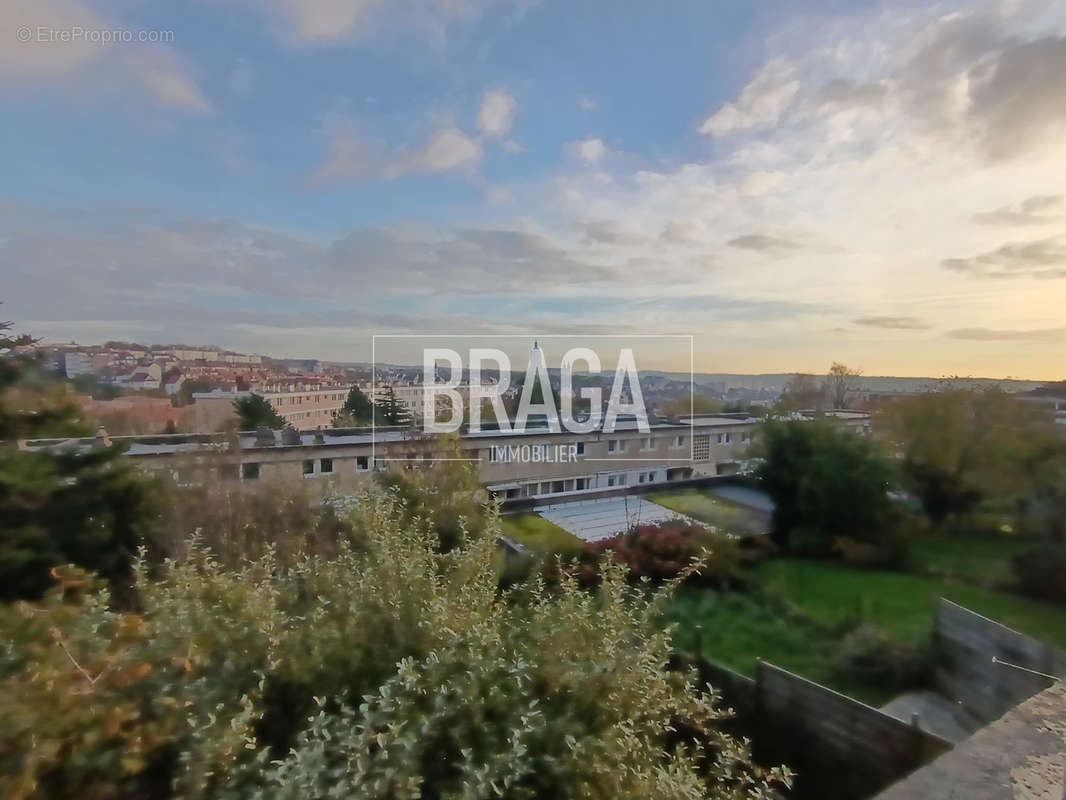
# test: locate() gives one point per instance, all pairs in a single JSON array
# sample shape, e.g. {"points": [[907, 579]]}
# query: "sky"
{"points": [[791, 184]]}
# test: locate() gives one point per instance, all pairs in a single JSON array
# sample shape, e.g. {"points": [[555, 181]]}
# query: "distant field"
{"points": [[542, 537]]}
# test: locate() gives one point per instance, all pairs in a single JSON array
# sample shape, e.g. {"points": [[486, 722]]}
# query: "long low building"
{"points": [[535, 463]]}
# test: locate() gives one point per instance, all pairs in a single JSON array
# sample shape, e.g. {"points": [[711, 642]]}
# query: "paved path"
{"points": [[592, 520], [936, 714]]}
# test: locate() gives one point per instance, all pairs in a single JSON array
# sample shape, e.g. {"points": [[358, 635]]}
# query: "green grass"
{"points": [[542, 537], [738, 630], [703, 506], [798, 611], [984, 559], [899, 603]]}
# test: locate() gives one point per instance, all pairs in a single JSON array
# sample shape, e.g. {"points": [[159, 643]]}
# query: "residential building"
{"points": [[76, 363], [533, 464], [303, 410]]}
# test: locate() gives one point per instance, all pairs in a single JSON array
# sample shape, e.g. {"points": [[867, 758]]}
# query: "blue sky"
{"points": [[792, 183]]}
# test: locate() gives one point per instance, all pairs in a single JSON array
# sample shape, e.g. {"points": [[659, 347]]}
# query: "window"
{"points": [[580, 483], [250, 472], [701, 448], [651, 477], [647, 443], [622, 479], [380, 463], [610, 480], [325, 465], [558, 486], [640, 478], [362, 463], [309, 466], [679, 441], [581, 448], [611, 445]]}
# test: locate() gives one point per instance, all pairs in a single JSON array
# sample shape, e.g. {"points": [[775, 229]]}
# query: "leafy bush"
{"points": [[446, 491], [662, 551], [390, 670], [868, 657], [1041, 572]]}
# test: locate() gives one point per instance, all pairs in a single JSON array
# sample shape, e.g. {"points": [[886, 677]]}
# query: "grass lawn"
{"points": [[703, 506], [984, 559], [796, 616], [899, 603], [738, 630], [542, 537]]}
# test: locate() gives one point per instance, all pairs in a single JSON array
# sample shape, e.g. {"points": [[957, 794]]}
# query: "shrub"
{"points": [[389, 670], [826, 482], [1041, 572], [662, 551], [240, 521], [870, 658]]}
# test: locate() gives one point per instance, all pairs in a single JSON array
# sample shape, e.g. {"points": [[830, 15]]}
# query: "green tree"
{"points": [[254, 411], [828, 485], [959, 448], [357, 410], [390, 411], [67, 504]]}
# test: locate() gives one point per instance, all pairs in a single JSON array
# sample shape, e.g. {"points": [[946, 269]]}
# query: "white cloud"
{"points": [[497, 113], [590, 150], [760, 104], [444, 150], [154, 71], [859, 162], [351, 156], [310, 23], [322, 21]]}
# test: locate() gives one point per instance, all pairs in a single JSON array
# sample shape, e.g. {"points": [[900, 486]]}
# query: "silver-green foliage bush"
{"points": [[390, 670]]}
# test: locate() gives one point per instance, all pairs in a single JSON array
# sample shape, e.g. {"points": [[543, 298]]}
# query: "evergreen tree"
{"points": [[390, 411], [358, 410], [82, 505], [255, 411]]}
